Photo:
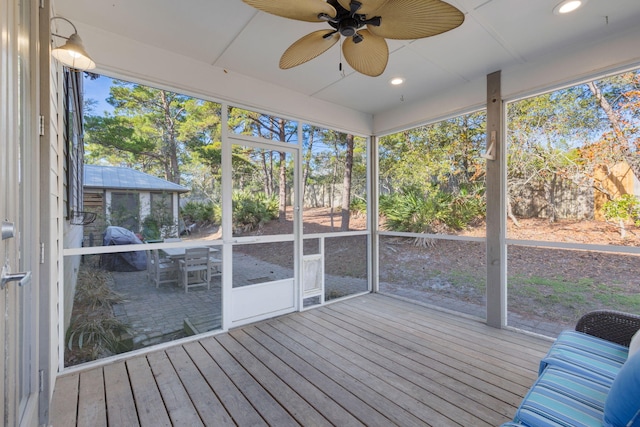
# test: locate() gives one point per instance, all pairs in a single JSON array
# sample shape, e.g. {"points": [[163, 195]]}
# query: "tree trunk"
{"points": [[282, 205], [267, 185], [510, 213], [346, 184], [307, 164], [552, 198], [632, 160], [171, 145]]}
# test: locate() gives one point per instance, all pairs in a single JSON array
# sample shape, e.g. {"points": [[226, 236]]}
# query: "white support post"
{"points": [[227, 221], [372, 214], [496, 205]]}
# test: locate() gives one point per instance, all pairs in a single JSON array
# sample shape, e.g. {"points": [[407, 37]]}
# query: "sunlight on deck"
{"points": [[370, 360]]}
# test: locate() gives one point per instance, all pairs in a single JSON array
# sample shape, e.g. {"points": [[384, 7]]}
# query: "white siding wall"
{"points": [[55, 230]]}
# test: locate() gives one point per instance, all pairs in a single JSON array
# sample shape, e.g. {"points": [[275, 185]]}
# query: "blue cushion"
{"points": [[563, 398], [592, 344], [599, 368], [582, 353], [622, 407]]}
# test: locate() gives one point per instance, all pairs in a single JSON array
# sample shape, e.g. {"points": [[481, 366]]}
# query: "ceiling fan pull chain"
{"points": [[342, 74]]}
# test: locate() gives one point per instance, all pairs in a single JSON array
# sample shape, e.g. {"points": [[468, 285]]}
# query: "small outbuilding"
{"points": [[125, 197]]}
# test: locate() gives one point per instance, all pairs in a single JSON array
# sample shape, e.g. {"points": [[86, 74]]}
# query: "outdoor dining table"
{"points": [[177, 253]]}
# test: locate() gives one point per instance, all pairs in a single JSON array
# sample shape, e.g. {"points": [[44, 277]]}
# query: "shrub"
{"points": [[433, 211], [150, 229], [250, 210], [623, 210], [199, 212], [358, 207]]}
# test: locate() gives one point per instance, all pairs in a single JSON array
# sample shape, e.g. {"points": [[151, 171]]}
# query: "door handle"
{"points": [[21, 278]]}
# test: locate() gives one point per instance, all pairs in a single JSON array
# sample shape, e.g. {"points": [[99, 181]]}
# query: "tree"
{"points": [[577, 135], [346, 183], [144, 127], [622, 129], [271, 128], [545, 134], [432, 177], [446, 153]]}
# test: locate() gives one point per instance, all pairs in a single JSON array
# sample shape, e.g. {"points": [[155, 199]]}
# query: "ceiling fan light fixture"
{"points": [[396, 81], [568, 6]]}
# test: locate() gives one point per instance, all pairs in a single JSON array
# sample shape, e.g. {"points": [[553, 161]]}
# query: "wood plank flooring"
{"points": [[368, 361]]}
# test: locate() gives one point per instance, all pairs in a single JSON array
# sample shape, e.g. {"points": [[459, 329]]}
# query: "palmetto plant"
{"points": [[251, 210], [433, 211]]}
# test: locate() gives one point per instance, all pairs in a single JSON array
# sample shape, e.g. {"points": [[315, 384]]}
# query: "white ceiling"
{"points": [[229, 35]]}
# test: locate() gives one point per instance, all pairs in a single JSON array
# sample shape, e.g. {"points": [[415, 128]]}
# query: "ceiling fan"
{"points": [[365, 24]]}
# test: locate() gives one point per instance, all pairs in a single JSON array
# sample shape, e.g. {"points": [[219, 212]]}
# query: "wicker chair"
{"points": [[578, 381], [614, 326]]}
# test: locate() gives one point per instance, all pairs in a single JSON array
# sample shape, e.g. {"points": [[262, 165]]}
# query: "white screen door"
{"points": [[264, 224]]}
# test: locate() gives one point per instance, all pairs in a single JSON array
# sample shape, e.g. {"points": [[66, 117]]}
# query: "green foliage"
{"points": [[150, 229], [443, 153], [160, 223], [624, 208], [251, 211], [432, 211], [358, 207], [201, 212]]}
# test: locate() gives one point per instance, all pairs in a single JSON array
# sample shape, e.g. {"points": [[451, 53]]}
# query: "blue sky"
{"points": [[98, 90]]}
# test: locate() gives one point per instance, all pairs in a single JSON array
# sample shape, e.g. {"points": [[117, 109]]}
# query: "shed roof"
{"points": [[114, 177]]}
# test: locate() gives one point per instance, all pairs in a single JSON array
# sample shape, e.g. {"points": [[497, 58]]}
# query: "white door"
{"points": [[264, 255], [16, 188]]}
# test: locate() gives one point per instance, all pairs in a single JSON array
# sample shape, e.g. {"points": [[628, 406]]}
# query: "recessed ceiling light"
{"points": [[568, 6], [396, 81]]}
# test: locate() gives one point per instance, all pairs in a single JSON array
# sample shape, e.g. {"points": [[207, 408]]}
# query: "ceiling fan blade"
{"points": [[308, 47], [369, 56], [368, 6], [415, 19], [302, 10]]}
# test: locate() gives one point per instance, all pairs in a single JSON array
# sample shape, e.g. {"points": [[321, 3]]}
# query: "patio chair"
{"points": [[160, 270], [195, 268], [216, 267]]}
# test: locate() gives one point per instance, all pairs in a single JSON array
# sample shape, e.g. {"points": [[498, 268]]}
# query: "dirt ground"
{"points": [[554, 284]]}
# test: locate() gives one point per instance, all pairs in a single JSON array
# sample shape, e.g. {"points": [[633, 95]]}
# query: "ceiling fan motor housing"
{"points": [[349, 26]]}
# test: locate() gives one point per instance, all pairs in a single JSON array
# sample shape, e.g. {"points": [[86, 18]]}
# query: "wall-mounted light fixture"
{"points": [[72, 53]]}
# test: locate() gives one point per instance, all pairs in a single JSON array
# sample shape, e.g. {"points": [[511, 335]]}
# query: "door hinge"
{"points": [[41, 380], [41, 253], [41, 125]]}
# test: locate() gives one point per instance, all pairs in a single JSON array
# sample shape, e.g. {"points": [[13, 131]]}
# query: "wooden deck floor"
{"points": [[371, 360]]}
